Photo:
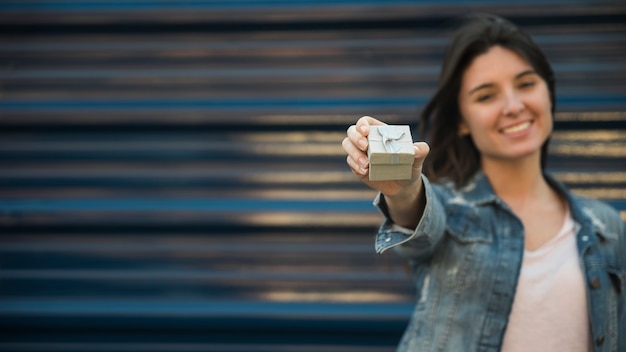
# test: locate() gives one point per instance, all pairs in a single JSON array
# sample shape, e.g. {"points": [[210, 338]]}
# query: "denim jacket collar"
{"points": [[581, 215], [478, 191]]}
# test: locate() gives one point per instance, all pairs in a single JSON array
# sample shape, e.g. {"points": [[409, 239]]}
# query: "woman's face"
{"points": [[505, 106]]}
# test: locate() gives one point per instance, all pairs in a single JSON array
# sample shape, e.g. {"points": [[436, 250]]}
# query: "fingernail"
{"points": [[363, 161], [362, 143]]}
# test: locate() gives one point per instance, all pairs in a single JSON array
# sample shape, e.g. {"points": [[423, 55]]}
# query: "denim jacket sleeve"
{"points": [[622, 318], [617, 273], [620, 281], [602, 244], [426, 236]]}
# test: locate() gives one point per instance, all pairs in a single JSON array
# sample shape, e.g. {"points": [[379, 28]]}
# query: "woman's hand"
{"points": [[355, 145], [403, 198]]}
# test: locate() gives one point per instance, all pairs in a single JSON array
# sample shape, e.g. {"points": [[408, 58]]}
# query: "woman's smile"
{"points": [[517, 129]]}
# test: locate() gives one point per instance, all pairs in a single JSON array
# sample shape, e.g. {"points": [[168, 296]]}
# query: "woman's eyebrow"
{"points": [[525, 73], [489, 85], [482, 86]]}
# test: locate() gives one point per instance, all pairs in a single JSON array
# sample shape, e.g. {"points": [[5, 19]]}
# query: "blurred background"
{"points": [[171, 175]]}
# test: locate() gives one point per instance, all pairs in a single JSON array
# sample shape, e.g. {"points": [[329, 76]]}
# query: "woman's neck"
{"points": [[517, 182]]}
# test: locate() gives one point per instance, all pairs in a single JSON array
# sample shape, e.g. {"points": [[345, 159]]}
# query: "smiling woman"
{"points": [[505, 257], [505, 107]]}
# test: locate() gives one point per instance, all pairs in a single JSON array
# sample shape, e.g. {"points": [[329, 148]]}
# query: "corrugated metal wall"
{"points": [[171, 175]]}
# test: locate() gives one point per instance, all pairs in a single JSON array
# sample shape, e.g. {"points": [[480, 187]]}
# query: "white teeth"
{"points": [[517, 128]]}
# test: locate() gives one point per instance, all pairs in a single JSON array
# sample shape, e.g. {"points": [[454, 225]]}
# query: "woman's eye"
{"points": [[527, 84], [483, 97]]}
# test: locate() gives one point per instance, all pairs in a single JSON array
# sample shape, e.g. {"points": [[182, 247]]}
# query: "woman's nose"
{"points": [[513, 104]]}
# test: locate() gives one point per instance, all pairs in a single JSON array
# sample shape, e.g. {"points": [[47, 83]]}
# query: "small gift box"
{"points": [[390, 153]]}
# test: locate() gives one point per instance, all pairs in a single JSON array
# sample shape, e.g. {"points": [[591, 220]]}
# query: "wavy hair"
{"points": [[454, 157]]}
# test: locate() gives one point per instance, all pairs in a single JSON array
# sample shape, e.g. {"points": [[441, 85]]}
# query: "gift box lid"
{"points": [[390, 144]]}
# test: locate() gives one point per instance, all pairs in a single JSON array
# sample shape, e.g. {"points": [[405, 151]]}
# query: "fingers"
{"points": [[358, 170], [358, 132], [363, 124], [355, 145], [357, 159], [421, 152], [356, 139]]}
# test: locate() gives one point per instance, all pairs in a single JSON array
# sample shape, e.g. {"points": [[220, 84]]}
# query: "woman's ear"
{"points": [[463, 129]]}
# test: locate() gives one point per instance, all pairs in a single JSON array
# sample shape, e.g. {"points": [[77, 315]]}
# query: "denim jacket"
{"points": [[466, 254]]}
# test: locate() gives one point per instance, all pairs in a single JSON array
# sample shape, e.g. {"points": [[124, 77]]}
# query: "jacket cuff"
{"points": [[426, 235]]}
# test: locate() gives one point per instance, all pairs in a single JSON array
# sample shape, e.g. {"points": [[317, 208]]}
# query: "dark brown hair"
{"points": [[454, 157]]}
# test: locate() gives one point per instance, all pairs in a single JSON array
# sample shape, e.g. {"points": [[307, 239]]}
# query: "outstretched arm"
{"points": [[404, 199]]}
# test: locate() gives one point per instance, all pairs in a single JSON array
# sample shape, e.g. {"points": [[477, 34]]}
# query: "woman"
{"points": [[505, 258]]}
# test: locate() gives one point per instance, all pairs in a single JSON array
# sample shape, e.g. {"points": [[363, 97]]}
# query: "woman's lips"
{"points": [[516, 128]]}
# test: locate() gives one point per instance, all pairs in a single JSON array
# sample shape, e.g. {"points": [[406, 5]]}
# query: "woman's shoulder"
{"points": [[476, 190], [597, 207], [604, 220], [602, 216]]}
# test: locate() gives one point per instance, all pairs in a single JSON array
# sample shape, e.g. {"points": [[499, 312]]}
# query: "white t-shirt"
{"points": [[550, 306]]}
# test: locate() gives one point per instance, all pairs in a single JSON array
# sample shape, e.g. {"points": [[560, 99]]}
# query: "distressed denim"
{"points": [[466, 254]]}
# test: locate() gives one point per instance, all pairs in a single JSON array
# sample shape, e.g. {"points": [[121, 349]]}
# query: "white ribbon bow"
{"points": [[391, 136]]}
